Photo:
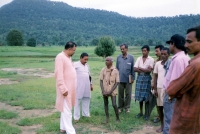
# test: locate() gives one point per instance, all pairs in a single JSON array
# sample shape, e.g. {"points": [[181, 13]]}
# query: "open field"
{"points": [[27, 94]]}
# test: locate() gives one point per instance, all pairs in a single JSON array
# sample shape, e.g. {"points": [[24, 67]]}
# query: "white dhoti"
{"points": [[66, 120], [85, 108]]}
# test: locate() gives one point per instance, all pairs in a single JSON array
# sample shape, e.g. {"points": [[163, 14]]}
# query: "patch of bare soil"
{"points": [[25, 113], [147, 130], [38, 72], [7, 81]]}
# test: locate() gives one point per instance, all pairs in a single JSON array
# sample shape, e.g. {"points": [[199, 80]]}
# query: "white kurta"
{"points": [[83, 81]]}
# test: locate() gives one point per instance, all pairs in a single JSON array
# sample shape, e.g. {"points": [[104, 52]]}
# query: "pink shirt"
{"points": [[65, 75], [178, 64]]}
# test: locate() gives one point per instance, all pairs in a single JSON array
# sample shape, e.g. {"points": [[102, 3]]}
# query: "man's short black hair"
{"points": [[197, 30], [125, 45], [69, 44], [159, 46], [83, 55], [167, 49], [147, 47]]}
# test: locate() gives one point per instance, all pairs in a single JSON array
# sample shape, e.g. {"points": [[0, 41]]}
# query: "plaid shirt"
{"points": [[186, 117]]}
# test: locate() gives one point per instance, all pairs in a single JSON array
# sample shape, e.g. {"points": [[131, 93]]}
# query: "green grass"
{"points": [[4, 114], [7, 129], [38, 93]]}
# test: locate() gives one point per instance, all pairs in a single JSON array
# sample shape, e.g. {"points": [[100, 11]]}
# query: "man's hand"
{"points": [[109, 93], [149, 67], [170, 99], [65, 94], [156, 93], [104, 93], [152, 86], [91, 88], [132, 81]]}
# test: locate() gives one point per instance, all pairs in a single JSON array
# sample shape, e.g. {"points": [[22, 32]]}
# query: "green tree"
{"points": [[14, 38], [150, 42], [86, 45], [31, 42], [94, 42], [106, 47]]}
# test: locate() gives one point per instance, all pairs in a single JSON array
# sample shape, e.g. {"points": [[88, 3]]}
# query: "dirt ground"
{"points": [[7, 81], [40, 72]]}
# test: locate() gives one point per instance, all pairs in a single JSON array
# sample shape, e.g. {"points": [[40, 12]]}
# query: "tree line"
{"points": [[105, 46]]}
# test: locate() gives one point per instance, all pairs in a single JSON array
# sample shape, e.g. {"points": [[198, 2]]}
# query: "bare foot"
{"points": [[62, 131], [106, 121], [159, 130], [76, 121], [118, 121]]}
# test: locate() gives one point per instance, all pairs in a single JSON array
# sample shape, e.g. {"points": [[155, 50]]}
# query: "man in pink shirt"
{"points": [[178, 64], [65, 75]]}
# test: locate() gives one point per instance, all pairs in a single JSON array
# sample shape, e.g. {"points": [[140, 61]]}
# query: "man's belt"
{"points": [[143, 73]]}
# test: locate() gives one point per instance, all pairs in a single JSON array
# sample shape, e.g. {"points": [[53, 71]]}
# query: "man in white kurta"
{"points": [[84, 87]]}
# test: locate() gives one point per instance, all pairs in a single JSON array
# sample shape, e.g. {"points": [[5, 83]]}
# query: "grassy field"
{"points": [[33, 92]]}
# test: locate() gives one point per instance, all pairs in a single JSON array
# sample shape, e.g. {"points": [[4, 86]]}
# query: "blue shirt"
{"points": [[125, 65]]}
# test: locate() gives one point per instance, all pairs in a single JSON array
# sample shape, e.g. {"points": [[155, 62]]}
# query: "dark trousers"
{"points": [[124, 95]]}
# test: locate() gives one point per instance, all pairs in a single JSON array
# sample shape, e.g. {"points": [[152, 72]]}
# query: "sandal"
{"points": [[139, 115]]}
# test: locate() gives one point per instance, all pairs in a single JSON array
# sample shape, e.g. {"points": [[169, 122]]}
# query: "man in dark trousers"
{"points": [[124, 64]]}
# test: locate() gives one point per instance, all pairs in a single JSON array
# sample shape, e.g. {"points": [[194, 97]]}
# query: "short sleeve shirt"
{"points": [[159, 69], [148, 62], [109, 78]]}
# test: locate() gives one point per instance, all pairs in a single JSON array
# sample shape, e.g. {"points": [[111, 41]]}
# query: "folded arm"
{"points": [[181, 85]]}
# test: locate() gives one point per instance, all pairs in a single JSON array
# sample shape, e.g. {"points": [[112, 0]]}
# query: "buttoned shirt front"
{"points": [[125, 67]]}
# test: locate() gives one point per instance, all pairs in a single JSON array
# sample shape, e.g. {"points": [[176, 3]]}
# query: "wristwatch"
{"points": [[169, 98]]}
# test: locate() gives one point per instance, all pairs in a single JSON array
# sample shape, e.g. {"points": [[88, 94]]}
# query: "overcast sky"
{"points": [[138, 8]]}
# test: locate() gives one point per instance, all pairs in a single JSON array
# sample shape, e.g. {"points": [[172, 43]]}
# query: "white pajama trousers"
{"points": [[66, 120], [85, 108]]}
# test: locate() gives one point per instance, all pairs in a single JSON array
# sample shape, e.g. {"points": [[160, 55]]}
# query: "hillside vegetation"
{"points": [[57, 22]]}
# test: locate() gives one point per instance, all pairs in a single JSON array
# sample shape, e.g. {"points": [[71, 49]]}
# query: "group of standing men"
{"points": [[175, 84]]}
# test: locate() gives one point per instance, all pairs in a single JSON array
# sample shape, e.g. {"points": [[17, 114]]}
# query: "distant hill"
{"points": [[58, 22]]}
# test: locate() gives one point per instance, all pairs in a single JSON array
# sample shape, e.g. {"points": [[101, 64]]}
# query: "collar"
{"points": [[81, 63], [194, 58], [126, 56], [66, 55], [167, 63], [112, 68], [147, 57], [159, 59], [177, 54]]}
